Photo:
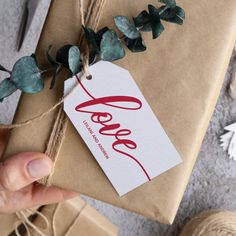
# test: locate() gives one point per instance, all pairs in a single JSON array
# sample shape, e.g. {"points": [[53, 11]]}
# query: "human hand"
{"points": [[18, 189]]}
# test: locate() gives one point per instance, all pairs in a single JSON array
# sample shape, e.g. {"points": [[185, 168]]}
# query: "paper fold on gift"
{"points": [[180, 75]]}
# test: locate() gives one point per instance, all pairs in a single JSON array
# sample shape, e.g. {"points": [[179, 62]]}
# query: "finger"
{"points": [[31, 196], [42, 195], [23, 169]]}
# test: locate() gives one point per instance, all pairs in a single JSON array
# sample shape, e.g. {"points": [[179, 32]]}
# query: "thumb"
{"points": [[23, 169]]}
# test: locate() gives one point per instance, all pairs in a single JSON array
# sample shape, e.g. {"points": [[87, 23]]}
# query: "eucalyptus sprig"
{"points": [[103, 45]]}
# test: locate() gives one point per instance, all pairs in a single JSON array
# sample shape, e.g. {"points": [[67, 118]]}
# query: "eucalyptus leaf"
{"points": [[111, 47], [170, 3], [57, 71], [157, 27], [94, 39], [125, 26], [154, 12], [35, 58], [6, 89], [135, 45], [100, 33], [142, 21], [50, 58], [93, 58], [62, 55], [174, 15], [74, 60], [26, 75]]}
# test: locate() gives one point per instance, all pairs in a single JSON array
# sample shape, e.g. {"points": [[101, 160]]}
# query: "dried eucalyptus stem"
{"points": [[103, 45]]}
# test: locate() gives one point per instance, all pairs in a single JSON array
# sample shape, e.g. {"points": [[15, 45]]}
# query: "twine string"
{"points": [[58, 131], [24, 220], [54, 232], [82, 20]]}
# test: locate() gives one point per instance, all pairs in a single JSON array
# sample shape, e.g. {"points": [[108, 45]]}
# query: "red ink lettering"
{"points": [[104, 119]]}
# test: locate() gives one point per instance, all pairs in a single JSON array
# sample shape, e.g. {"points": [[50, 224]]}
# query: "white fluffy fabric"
{"points": [[213, 182]]}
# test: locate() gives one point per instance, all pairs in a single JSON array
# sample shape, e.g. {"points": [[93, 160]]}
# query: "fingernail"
{"points": [[39, 168]]}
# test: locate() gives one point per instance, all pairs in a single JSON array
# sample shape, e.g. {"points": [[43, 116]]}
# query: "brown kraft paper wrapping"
{"points": [[74, 218], [180, 75]]}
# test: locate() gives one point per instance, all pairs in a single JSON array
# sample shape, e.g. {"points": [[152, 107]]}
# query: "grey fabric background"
{"points": [[212, 184]]}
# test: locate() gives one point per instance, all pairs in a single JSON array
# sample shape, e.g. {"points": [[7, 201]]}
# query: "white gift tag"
{"points": [[119, 127]]}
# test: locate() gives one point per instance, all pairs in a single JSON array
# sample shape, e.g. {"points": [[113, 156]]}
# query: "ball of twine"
{"points": [[211, 223]]}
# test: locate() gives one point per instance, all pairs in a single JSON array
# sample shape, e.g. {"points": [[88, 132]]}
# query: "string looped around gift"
{"points": [[60, 124], [24, 220], [31, 228], [59, 128]]}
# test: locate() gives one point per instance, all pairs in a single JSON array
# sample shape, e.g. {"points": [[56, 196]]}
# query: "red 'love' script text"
{"points": [[105, 121]]}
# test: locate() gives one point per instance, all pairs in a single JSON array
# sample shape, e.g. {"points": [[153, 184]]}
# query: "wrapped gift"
{"points": [[70, 218], [180, 75], [74, 218]]}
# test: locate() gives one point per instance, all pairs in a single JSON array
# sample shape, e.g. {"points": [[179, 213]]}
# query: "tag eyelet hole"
{"points": [[89, 77]]}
